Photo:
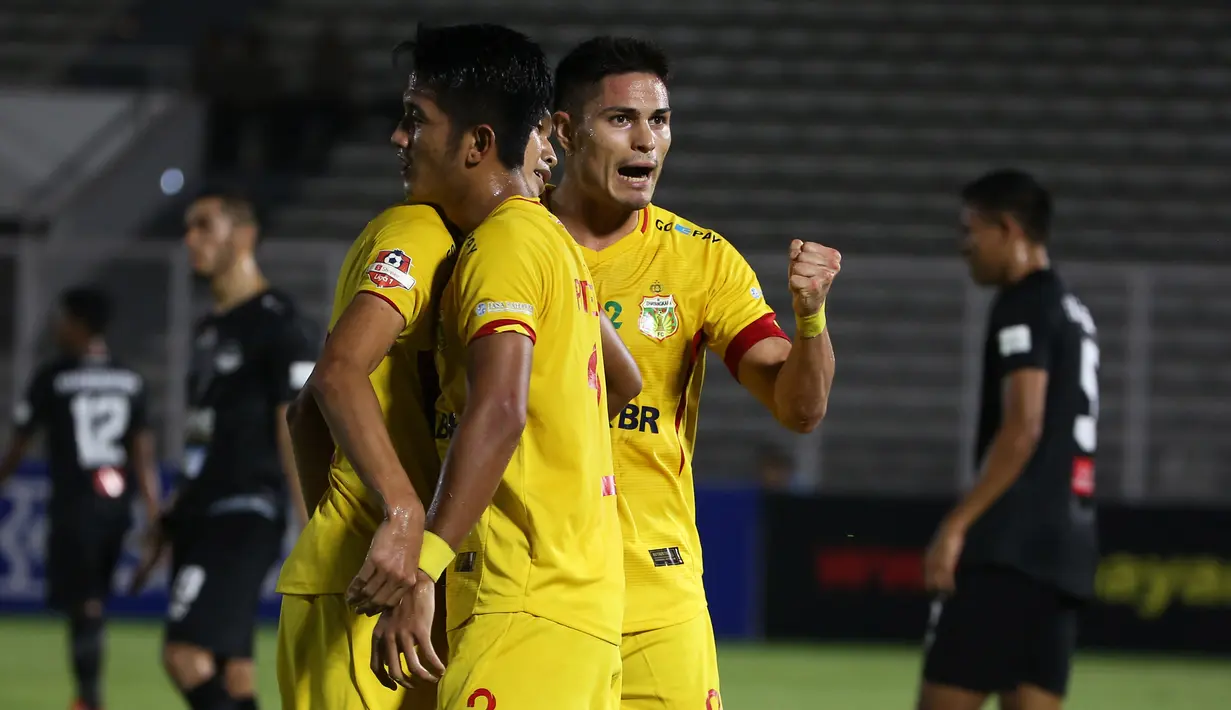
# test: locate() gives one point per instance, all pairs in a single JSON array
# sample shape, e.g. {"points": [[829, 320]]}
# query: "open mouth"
{"points": [[636, 174], [543, 174]]}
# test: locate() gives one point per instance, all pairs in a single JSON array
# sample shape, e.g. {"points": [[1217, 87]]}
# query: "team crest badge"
{"points": [[658, 319], [391, 270]]}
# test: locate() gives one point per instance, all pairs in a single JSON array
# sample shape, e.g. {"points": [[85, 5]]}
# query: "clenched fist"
{"points": [[813, 268]]}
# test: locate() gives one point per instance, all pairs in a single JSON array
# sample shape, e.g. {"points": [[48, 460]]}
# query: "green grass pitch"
{"points": [[34, 675]]}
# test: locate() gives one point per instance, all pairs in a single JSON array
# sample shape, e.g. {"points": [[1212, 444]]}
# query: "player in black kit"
{"points": [[251, 356], [1025, 533], [94, 413]]}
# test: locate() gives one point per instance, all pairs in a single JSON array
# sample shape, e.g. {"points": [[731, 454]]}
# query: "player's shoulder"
{"points": [[518, 223], [692, 244], [685, 236], [1042, 291], [409, 218]]}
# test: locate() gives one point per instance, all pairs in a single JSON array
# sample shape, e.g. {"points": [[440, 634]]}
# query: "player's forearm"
{"points": [[286, 454], [621, 373], [1006, 458], [146, 459], [352, 412], [487, 434], [312, 449], [801, 389]]}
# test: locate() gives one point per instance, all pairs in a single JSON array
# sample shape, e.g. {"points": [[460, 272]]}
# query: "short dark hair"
{"points": [[89, 306], [237, 207], [483, 74], [590, 62], [1016, 193]]}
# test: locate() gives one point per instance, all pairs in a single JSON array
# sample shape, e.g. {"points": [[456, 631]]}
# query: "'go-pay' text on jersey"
{"points": [[403, 257], [672, 289], [549, 542]]}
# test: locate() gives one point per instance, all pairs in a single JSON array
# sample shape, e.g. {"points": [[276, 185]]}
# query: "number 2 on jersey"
{"points": [[1085, 427], [613, 309], [99, 423]]}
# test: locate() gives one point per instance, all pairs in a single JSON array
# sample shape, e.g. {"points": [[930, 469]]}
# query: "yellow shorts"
{"points": [[325, 656], [673, 668], [525, 662]]}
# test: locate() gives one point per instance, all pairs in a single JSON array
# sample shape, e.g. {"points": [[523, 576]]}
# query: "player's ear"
{"points": [[480, 142], [563, 124]]}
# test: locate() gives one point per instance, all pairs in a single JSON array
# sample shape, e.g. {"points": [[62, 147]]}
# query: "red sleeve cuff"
{"points": [[494, 326], [388, 300], [764, 327]]}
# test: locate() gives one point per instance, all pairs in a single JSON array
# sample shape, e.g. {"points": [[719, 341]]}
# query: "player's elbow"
{"points": [[330, 378], [502, 417], [806, 420], [625, 388], [1023, 435]]}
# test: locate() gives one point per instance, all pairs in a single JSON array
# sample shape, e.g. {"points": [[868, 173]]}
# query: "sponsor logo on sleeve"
{"points": [[391, 270], [1014, 340], [755, 293], [486, 307]]}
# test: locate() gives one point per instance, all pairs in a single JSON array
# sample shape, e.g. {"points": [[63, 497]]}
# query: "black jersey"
{"points": [[91, 407], [1044, 525], [246, 363]]}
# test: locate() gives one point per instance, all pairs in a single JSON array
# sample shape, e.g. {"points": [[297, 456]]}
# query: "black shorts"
{"points": [[999, 630], [218, 566], [82, 554]]}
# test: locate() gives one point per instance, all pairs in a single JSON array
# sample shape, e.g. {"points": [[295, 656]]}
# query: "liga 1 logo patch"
{"points": [[658, 319], [391, 270]]}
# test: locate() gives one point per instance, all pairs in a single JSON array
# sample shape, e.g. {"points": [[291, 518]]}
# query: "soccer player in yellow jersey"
{"points": [[383, 330], [674, 289], [524, 517]]}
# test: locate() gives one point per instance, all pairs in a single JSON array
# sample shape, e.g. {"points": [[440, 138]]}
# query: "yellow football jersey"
{"points": [[672, 289], [404, 256], [549, 543]]}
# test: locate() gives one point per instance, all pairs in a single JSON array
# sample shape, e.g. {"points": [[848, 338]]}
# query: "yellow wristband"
{"points": [[435, 556], [810, 326]]}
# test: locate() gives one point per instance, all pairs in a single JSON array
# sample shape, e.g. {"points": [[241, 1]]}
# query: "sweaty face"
{"points": [[985, 246], [621, 138], [210, 237], [426, 149], [540, 157]]}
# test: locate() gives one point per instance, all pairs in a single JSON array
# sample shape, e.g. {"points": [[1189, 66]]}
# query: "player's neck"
{"points": [[485, 196], [595, 223], [1035, 259], [240, 282], [94, 347]]}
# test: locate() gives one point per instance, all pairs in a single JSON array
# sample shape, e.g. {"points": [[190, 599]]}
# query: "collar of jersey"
{"points": [[628, 242]]}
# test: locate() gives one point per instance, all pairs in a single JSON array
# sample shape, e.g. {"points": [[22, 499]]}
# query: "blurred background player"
{"points": [[93, 409], [373, 392], [531, 438], [250, 356], [672, 289], [1025, 534]]}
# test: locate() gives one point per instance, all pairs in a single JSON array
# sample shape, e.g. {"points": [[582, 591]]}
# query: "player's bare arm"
{"points": [[342, 390], [1025, 400], [488, 430], [622, 375], [145, 463], [286, 455], [312, 446], [793, 380]]}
